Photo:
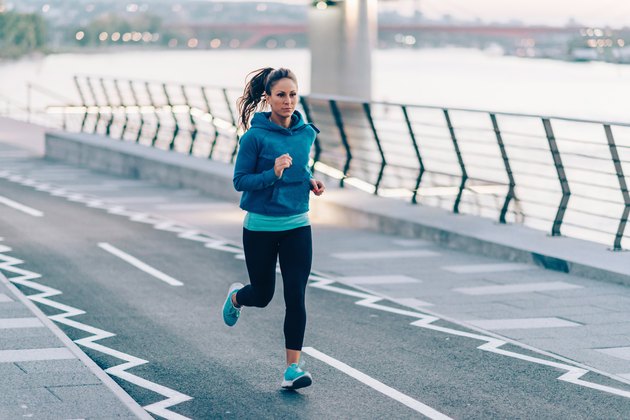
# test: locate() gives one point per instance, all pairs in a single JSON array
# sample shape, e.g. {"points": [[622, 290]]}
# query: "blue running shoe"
{"points": [[295, 377], [230, 312]]}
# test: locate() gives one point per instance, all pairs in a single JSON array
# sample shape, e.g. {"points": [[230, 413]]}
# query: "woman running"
{"points": [[272, 172]]}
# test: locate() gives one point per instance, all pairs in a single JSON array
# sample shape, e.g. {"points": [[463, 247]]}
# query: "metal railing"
{"points": [[565, 176]]}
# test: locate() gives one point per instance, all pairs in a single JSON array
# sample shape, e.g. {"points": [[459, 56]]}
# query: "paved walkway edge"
{"points": [[354, 208], [129, 402]]}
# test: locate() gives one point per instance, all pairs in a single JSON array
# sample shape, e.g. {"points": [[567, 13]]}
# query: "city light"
{"points": [[215, 43], [126, 37], [132, 8], [321, 5], [193, 43], [103, 36], [136, 37], [46, 8], [116, 36], [80, 35], [147, 37]]}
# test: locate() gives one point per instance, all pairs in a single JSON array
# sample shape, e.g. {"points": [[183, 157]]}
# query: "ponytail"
{"points": [[257, 86]]}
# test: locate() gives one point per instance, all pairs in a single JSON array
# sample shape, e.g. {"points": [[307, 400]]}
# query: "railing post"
{"points": [[193, 134], [206, 102], [121, 101], [155, 113], [136, 102], [309, 118], [460, 160], [412, 135], [368, 114], [234, 124], [98, 107], [508, 169], [622, 185], [344, 139], [83, 102], [171, 146], [111, 108], [562, 177]]}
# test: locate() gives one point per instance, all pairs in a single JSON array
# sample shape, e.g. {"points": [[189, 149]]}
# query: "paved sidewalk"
{"points": [[44, 375]]}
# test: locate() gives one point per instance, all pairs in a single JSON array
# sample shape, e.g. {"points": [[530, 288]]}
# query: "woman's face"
{"points": [[283, 98]]}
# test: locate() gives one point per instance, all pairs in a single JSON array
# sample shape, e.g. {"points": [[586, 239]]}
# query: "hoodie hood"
{"points": [[261, 120]]}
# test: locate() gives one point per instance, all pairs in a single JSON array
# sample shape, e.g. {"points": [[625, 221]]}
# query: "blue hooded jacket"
{"points": [[263, 192]]}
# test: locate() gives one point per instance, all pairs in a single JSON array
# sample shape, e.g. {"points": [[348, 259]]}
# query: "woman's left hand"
{"points": [[317, 187]]}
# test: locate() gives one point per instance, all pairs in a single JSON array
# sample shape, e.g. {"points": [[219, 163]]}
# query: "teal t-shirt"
{"points": [[261, 222]]}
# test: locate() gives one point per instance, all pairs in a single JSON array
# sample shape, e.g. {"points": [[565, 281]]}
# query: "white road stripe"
{"points": [[393, 279], [411, 242], [516, 288], [10, 323], [136, 199], [384, 254], [522, 323], [488, 268], [618, 352], [195, 206], [139, 264], [31, 355], [377, 385], [412, 302], [14, 154], [21, 207]]}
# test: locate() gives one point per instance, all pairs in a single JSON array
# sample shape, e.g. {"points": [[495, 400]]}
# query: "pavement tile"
{"points": [[88, 401], [35, 396], [48, 379], [68, 365], [37, 342], [14, 310], [25, 332]]}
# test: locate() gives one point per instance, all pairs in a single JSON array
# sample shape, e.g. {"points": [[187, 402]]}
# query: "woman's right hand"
{"points": [[282, 163]]}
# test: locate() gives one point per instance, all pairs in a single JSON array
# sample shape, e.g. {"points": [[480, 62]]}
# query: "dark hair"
{"points": [[260, 83]]}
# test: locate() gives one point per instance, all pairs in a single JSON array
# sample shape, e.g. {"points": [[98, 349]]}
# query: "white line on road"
{"points": [[516, 288], [21, 207], [384, 254], [139, 264], [521, 323], [377, 385]]}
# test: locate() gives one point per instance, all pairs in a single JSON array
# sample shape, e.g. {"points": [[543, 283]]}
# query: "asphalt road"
{"points": [[179, 332]]}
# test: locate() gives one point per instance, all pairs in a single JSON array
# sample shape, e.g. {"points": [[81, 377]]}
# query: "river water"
{"points": [[446, 77]]}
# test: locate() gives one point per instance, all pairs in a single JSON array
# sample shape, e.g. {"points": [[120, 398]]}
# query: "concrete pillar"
{"points": [[341, 39]]}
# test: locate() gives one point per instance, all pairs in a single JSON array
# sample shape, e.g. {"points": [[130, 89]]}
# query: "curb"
{"points": [[125, 398]]}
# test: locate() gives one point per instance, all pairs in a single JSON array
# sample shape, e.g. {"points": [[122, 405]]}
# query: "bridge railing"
{"points": [[564, 176]]}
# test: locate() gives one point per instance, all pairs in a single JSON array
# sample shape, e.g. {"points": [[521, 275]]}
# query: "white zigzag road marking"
{"points": [[573, 373], [24, 277], [492, 344]]}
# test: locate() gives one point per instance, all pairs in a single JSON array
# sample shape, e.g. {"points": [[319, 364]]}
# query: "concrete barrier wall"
{"points": [[354, 208], [142, 162]]}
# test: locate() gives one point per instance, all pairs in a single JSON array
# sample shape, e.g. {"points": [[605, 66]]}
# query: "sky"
{"points": [[615, 13]]}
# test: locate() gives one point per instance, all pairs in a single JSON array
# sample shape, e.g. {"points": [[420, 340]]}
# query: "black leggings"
{"points": [[296, 253]]}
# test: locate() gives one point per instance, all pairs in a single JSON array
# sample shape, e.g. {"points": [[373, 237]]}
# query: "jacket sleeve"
{"points": [[245, 176]]}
